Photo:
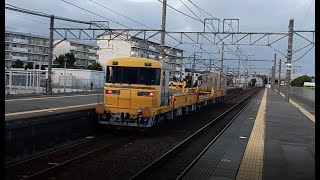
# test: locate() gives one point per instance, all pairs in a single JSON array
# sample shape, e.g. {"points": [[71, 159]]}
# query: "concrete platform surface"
{"points": [[271, 139]]}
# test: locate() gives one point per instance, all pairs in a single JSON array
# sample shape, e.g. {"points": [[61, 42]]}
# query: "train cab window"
{"points": [[133, 75]]}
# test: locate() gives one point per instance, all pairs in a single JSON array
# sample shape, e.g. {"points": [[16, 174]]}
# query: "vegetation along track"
{"points": [[53, 162], [176, 160]]}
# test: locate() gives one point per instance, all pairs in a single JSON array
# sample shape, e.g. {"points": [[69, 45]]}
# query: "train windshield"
{"points": [[133, 75]]}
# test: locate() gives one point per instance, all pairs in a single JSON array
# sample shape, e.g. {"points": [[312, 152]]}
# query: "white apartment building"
{"points": [[85, 54], [137, 47], [26, 47]]}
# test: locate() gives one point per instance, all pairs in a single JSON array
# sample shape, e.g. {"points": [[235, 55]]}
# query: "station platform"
{"points": [[270, 139]]}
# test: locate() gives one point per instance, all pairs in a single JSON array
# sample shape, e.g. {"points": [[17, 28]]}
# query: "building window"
{"points": [[22, 37], [14, 45], [7, 44]]}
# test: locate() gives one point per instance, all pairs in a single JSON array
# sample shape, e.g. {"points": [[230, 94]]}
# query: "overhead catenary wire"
{"points": [[116, 13], [305, 17], [304, 54]]}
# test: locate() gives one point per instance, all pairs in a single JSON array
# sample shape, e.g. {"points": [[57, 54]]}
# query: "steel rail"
{"points": [[143, 173]]}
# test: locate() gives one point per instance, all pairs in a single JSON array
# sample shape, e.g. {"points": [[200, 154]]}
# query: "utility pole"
{"points": [[289, 56], [193, 67], [279, 77], [246, 74], [239, 73], [49, 90], [163, 31], [65, 75], [273, 76], [227, 74], [221, 68], [233, 77], [194, 61]]}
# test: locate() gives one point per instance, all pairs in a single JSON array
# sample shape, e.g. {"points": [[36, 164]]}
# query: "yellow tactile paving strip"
{"points": [[252, 162], [305, 112]]}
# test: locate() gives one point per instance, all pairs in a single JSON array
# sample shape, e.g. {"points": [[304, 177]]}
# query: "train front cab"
{"points": [[132, 85]]}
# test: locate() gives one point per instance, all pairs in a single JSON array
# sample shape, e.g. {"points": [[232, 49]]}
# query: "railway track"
{"points": [[49, 163], [46, 165], [175, 162]]}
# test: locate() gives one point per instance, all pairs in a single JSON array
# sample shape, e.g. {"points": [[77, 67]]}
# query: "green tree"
{"points": [[17, 64], [253, 82], [29, 66], [189, 81], [95, 66], [70, 60], [174, 78], [300, 80]]}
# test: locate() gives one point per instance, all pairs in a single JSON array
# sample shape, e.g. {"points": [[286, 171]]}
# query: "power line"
{"points": [[303, 54], [42, 22], [181, 12], [305, 17], [130, 19], [190, 10], [27, 18], [22, 29], [214, 28], [114, 21], [120, 14], [14, 8], [96, 14]]}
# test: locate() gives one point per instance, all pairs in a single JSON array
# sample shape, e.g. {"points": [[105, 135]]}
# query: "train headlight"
{"points": [[116, 92], [145, 94]]}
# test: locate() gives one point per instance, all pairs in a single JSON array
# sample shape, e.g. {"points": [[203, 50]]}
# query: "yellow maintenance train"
{"points": [[137, 94]]}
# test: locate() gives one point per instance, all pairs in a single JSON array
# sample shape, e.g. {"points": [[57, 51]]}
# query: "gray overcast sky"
{"points": [[254, 15]]}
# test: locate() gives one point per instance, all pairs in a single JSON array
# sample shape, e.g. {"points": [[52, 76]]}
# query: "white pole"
{"points": [[64, 82], [26, 80], [10, 80], [33, 76]]}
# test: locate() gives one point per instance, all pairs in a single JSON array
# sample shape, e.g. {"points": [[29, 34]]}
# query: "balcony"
{"points": [[20, 49], [8, 48], [8, 57], [79, 56], [20, 58], [40, 59], [93, 58], [76, 48], [93, 51], [20, 40], [8, 39], [39, 43], [38, 51]]}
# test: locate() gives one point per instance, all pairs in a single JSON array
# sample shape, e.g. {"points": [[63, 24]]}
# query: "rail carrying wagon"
{"points": [[137, 94]]}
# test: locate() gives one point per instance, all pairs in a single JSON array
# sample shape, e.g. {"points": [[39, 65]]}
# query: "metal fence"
{"points": [[20, 82]]}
